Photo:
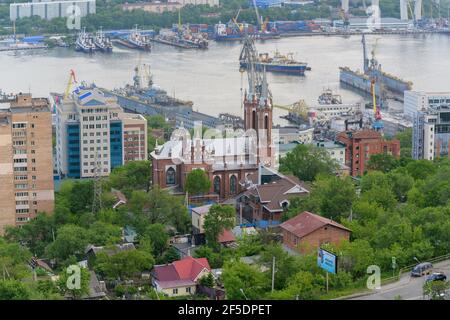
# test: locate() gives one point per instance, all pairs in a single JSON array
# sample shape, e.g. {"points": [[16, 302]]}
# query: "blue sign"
{"points": [[327, 261]]}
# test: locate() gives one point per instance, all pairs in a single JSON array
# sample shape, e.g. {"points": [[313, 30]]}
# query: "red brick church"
{"points": [[226, 160]]}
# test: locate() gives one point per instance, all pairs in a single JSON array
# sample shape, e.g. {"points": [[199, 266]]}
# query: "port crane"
{"points": [[72, 80], [374, 79], [299, 109]]}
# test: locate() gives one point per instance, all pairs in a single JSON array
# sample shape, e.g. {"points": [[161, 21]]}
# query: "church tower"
{"points": [[258, 116]]}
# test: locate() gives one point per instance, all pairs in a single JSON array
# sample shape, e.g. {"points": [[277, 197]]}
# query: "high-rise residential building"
{"points": [[415, 101], [26, 178], [94, 135], [50, 9], [431, 133], [361, 145]]}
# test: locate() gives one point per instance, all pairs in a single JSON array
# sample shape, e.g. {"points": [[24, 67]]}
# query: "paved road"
{"points": [[408, 288]]}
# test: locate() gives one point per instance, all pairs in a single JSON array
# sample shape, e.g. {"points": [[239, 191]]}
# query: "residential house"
{"points": [[306, 232], [180, 277], [268, 195]]}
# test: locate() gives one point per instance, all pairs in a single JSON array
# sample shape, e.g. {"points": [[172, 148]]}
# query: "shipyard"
{"points": [[216, 150]]}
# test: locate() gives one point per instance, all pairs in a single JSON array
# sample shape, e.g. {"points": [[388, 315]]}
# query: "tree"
{"points": [[69, 285], [14, 290], [70, 242], [158, 237], [243, 281], [301, 286], [207, 280], [218, 219], [170, 255], [14, 260], [134, 175], [158, 206], [124, 264], [197, 182], [102, 234], [436, 290], [382, 162], [420, 169], [307, 161], [401, 183], [334, 196]]}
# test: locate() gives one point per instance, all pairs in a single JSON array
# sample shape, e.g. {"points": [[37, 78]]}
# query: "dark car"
{"points": [[439, 276]]}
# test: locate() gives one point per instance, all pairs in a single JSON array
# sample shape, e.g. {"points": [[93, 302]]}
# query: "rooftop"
{"points": [[307, 222]]}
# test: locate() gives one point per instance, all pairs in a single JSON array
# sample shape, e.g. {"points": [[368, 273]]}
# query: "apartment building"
{"points": [[49, 9], [416, 101], [361, 145], [26, 178], [94, 135], [431, 133]]}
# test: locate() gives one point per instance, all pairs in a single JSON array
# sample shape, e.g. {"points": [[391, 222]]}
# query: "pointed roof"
{"points": [[307, 222], [180, 272]]}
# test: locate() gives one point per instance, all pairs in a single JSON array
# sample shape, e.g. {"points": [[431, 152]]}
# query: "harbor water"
{"points": [[211, 78]]}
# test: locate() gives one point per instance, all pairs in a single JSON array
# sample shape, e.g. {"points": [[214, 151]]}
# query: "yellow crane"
{"points": [[239, 25], [72, 80], [299, 108]]}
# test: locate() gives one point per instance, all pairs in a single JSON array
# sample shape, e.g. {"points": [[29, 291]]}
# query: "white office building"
{"points": [[51, 9], [415, 101]]}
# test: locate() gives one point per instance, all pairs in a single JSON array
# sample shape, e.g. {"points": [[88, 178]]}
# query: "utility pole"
{"points": [[273, 273]]}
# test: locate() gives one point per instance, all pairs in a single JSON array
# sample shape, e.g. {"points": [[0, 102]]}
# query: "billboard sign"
{"points": [[327, 261]]}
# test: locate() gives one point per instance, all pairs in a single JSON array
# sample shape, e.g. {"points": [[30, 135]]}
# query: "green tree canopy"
{"points": [[197, 182], [307, 161], [218, 219]]}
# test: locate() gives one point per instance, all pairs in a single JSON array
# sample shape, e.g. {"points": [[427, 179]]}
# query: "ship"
{"points": [[85, 43], [102, 42], [372, 70], [237, 32], [181, 40], [146, 98], [136, 40], [330, 105], [278, 63]]}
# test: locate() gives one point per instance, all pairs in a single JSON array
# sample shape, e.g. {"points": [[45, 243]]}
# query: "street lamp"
{"points": [[416, 259], [242, 291]]}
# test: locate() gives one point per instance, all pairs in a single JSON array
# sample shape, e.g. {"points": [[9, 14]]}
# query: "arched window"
{"points": [[217, 184], [266, 122], [233, 185], [170, 176]]}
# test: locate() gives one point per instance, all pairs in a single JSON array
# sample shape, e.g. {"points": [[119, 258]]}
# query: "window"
{"points": [[170, 176], [175, 291], [217, 184], [188, 290], [233, 184]]}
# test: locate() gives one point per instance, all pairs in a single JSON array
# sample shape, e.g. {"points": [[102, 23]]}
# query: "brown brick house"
{"points": [[268, 194], [361, 145], [306, 232]]}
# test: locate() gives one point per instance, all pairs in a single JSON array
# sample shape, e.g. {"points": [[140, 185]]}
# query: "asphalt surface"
{"points": [[407, 288]]}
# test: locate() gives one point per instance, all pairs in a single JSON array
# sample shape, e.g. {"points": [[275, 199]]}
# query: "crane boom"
{"points": [[72, 80]]}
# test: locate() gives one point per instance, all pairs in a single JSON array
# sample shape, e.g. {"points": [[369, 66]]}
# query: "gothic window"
{"points": [[217, 185], [266, 122], [233, 185], [170, 176]]}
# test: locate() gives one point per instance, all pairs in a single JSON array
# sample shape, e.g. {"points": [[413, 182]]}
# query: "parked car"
{"points": [[422, 269], [437, 276]]}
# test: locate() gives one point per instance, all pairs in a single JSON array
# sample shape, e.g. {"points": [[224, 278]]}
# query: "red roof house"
{"points": [[180, 277], [307, 231]]}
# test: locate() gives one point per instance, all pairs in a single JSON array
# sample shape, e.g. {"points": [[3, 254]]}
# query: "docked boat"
{"points": [[278, 63], [85, 43], [102, 42], [137, 40], [181, 40], [330, 105], [146, 98]]}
